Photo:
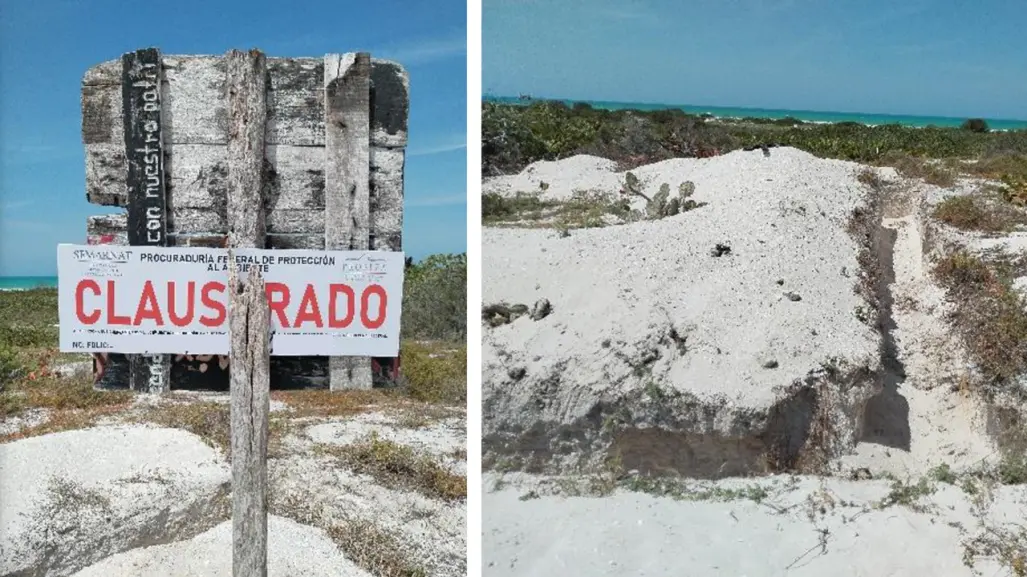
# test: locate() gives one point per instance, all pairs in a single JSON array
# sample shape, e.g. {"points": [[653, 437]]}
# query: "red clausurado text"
{"points": [[180, 304]]}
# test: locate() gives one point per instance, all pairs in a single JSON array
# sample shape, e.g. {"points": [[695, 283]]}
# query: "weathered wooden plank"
{"points": [[107, 229], [347, 86], [390, 104], [386, 198], [247, 117], [147, 220], [204, 221], [386, 205], [249, 324], [106, 170], [197, 109], [296, 241], [197, 104], [111, 229], [296, 178], [296, 101], [197, 176]]}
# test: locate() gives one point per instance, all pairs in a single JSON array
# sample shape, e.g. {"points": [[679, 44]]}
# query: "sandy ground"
{"points": [[136, 500], [294, 550], [805, 526], [922, 419]]}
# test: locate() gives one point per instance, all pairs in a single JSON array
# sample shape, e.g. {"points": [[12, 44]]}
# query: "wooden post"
{"points": [[247, 112], [250, 363], [250, 357], [347, 79], [141, 85]]}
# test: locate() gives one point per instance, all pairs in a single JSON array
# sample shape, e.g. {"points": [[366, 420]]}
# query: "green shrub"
{"points": [[10, 365], [433, 374], [435, 298], [513, 136], [975, 125]]}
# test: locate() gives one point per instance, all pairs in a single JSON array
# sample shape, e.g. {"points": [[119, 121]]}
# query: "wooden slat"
{"points": [[390, 104], [147, 219], [197, 109], [202, 221], [347, 85]]}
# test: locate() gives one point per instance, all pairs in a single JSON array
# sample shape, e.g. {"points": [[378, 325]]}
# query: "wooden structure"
{"points": [[242, 150]]}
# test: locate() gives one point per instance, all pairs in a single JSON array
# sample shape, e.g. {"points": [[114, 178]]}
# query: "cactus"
{"points": [[686, 189], [631, 183], [633, 186]]}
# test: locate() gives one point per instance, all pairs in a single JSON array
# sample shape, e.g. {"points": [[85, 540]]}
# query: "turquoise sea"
{"points": [[26, 282], [805, 115]]}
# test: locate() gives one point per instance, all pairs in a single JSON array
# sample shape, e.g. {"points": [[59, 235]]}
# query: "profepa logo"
{"points": [[162, 308]]}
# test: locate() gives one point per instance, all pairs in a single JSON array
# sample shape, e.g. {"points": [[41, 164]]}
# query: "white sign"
{"points": [[156, 300]]}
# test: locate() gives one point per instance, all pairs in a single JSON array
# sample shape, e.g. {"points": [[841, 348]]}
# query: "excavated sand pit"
{"points": [[789, 323], [864, 385], [737, 337]]}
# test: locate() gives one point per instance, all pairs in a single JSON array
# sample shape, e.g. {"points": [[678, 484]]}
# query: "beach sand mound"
{"points": [[294, 550], [737, 337], [73, 498]]}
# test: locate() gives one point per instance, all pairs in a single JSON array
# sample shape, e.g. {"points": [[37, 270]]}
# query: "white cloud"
{"points": [[14, 205], [438, 200], [424, 51], [437, 149]]}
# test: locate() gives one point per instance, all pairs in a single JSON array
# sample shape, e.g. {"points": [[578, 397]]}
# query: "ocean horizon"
{"points": [[14, 283], [776, 113]]}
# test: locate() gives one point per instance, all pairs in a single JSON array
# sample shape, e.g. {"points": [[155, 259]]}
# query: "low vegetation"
{"points": [[514, 136], [399, 467], [980, 213], [990, 314]]}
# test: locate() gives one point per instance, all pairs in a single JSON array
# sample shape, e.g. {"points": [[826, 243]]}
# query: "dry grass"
{"points": [[938, 174], [376, 550], [869, 177], [212, 422], [70, 401], [67, 420], [1008, 546], [399, 467], [989, 315], [974, 213]]}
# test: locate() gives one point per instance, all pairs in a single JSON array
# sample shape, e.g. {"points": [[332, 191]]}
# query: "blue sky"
{"points": [[46, 46], [956, 58]]}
